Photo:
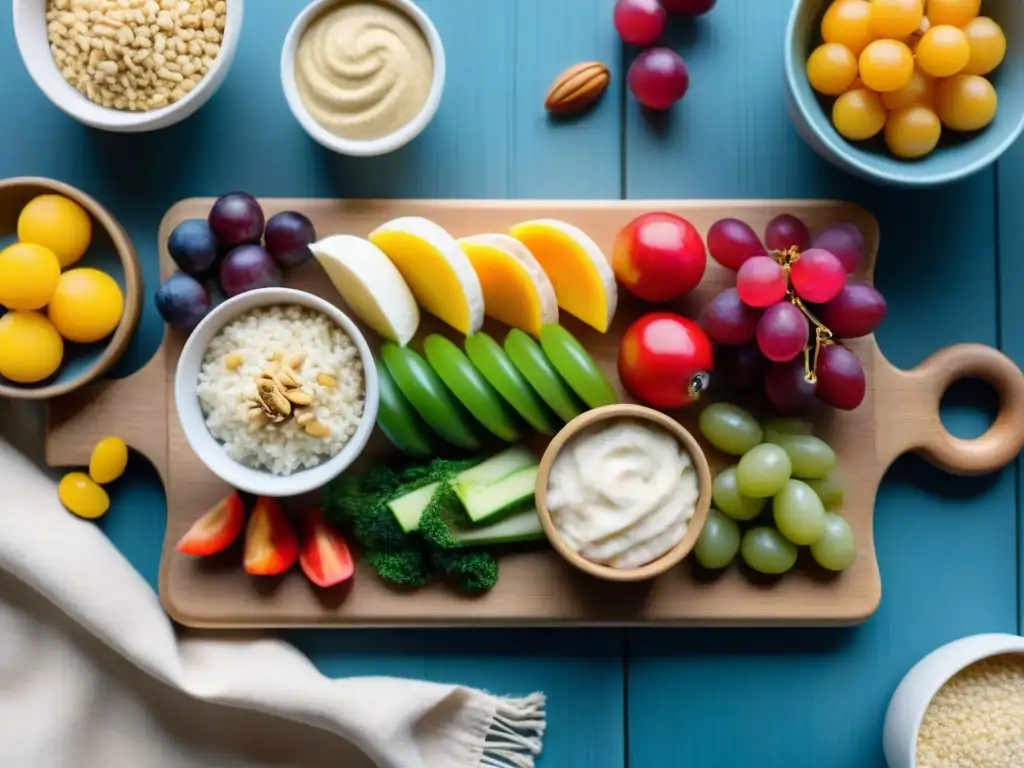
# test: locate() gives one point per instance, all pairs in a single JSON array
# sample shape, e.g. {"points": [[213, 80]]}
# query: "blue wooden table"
{"points": [[950, 266]]}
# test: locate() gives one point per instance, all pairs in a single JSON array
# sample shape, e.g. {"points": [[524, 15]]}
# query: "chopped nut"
{"points": [[272, 398], [233, 361], [316, 429], [326, 380], [304, 418], [295, 361], [298, 397], [288, 377]]}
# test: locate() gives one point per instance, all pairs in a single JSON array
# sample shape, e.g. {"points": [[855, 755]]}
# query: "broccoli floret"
{"points": [[359, 504]]}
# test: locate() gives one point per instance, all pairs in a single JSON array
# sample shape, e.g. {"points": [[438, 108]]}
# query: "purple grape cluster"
{"points": [[233, 250], [769, 326]]}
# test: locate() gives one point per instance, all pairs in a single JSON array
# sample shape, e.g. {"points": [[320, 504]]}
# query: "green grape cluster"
{"points": [[780, 461]]}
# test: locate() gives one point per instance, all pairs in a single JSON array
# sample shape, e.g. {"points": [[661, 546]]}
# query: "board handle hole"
{"points": [[968, 408]]}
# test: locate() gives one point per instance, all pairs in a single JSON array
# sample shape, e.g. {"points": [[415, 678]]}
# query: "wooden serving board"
{"points": [[900, 413]]}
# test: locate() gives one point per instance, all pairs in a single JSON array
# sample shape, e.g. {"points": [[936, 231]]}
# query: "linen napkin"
{"points": [[94, 675]]}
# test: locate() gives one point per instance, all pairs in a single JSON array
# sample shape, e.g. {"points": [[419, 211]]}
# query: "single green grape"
{"points": [[725, 494], [778, 428], [729, 428], [767, 551], [763, 470], [811, 456], [836, 549], [830, 489], [719, 541], [799, 513]]}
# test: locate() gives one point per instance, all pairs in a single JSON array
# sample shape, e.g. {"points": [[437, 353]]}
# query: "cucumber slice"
{"points": [[429, 396], [528, 357], [490, 359], [408, 509], [518, 527], [470, 387], [399, 421], [499, 485], [577, 367]]}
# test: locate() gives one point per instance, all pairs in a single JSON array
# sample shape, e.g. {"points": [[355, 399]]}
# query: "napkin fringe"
{"points": [[514, 737]]}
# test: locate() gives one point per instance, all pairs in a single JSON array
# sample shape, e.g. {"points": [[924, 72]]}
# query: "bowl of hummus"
{"points": [[363, 77], [623, 492]]}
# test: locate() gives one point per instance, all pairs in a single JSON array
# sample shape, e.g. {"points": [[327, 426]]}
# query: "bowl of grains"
{"points": [[276, 391], [961, 706], [128, 65]]}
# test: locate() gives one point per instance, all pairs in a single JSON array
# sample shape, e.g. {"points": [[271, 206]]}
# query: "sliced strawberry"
{"points": [[324, 557], [271, 546], [215, 530]]}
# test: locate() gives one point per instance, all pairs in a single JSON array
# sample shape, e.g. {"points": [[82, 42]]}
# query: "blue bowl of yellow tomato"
{"points": [[70, 289], [910, 93]]}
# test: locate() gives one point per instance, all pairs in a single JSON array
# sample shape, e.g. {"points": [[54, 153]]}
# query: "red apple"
{"points": [[665, 360], [689, 7], [659, 257]]}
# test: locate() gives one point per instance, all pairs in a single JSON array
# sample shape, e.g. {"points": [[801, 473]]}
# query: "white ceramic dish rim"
{"points": [[966, 651], [211, 452], [384, 144], [866, 170], [30, 34]]}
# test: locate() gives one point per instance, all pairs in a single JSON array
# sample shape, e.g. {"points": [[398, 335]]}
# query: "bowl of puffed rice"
{"points": [[128, 65], [961, 706]]}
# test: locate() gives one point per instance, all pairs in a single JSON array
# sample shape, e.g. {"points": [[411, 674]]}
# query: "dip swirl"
{"points": [[363, 70], [622, 493]]}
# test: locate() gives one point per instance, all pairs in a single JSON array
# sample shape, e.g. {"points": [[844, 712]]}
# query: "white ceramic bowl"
{"points": [[356, 148], [917, 689], [211, 451], [30, 32]]}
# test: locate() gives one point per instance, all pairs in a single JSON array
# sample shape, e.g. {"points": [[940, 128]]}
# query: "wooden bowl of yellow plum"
{"points": [[70, 289]]}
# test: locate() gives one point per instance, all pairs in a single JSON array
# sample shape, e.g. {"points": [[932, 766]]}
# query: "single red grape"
{"points": [[857, 311], [639, 22], [689, 7], [236, 219], [845, 241], [841, 380], [741, 367], [786, 231], [731, 242], [787, 388], [247, 268], [728, 320], [761, 281], [782, 332], [658, 78], [817, 276], [287, 238]]}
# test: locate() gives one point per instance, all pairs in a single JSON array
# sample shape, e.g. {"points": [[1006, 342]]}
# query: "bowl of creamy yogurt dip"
{"points": [[623, 492], [363, 77]]}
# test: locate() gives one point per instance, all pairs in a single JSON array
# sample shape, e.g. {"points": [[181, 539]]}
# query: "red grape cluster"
{"points": [[794, 300], [658, 77]]}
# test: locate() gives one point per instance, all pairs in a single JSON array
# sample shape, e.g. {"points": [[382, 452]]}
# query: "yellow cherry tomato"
{"points": [[943, 51], [965, 102], [108, 461], [920, 89], [59, 223], [87, 305], [886, 65], [858, 115], [82, 496], [987, 43], [831, 68], [28, 276], [30, 347], [912, 132], [954, 12], [848, 23], [896, 19]]}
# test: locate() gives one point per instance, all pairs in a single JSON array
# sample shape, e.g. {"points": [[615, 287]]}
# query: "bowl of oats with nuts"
{"points": [[276, 391], [128, 65]]}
